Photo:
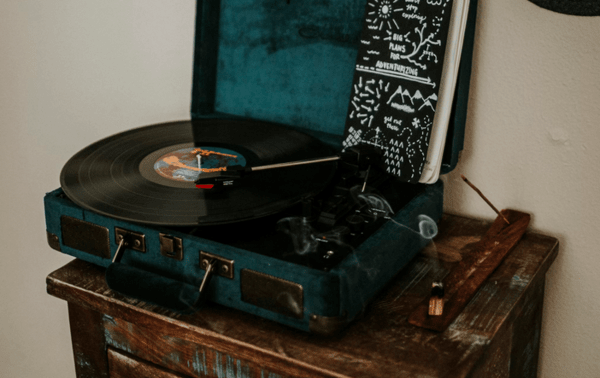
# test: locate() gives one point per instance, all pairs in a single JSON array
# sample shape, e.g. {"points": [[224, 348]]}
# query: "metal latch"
{"points": [[223, 267], [128, 239], [171, 246]]}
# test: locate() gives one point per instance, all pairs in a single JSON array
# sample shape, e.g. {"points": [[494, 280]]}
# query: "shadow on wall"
{"points": [[572, 7]]}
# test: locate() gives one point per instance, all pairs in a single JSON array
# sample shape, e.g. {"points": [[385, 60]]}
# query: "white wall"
{"points": [[71, 72], [74, 71]]}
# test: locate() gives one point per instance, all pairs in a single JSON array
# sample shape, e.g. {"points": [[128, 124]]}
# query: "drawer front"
{"points": [[124, 366], [194, 354]]}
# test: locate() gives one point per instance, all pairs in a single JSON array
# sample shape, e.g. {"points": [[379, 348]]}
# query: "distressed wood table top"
{"points": [[492, 333]]}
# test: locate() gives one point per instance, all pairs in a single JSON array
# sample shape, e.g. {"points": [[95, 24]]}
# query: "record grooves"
{"points": [[122, 176]]}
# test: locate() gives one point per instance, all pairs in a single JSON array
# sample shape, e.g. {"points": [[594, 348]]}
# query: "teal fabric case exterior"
{"points": [[340, 294], [289, 62]]}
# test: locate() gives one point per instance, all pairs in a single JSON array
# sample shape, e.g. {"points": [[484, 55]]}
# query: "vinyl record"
{"points": [[147, 175]]}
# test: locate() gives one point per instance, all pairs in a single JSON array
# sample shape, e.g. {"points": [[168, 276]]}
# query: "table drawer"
{"points": [[121, 365]]}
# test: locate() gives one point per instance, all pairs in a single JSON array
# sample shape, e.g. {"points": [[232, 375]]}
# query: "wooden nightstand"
{"points": [[497, 335]]}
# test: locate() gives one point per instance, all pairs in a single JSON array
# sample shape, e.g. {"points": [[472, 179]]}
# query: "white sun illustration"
{"points": [[382, 12]]}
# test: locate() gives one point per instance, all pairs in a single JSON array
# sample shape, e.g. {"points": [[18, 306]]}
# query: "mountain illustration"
{"points": [[417, 95], [427, 103], [415, 99]]}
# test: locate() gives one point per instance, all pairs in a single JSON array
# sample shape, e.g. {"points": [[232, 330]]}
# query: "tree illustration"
{"points": [[423, 42]]}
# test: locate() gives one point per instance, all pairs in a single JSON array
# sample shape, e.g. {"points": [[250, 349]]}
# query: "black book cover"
{"points": [[397, 79]]}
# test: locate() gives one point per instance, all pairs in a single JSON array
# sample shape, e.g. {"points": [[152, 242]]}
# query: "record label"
{"points": [[186, 164]]}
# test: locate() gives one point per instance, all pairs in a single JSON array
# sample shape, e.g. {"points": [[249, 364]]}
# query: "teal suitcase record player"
{"points": [[191, 213]]}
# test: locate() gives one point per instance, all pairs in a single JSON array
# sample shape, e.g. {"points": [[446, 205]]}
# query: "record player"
{"points": [[300, 245]]}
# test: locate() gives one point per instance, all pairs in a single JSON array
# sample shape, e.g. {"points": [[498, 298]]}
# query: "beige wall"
{"points": [[533, 144], [73, 71]]}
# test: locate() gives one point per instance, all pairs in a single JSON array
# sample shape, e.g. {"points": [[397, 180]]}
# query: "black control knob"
{"points": [[355, 222]]}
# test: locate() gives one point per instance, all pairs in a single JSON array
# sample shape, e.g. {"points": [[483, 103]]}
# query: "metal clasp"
{"points": [[128, 239], [171, 246], [224, 267]]}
